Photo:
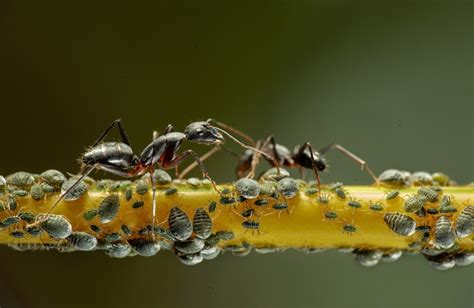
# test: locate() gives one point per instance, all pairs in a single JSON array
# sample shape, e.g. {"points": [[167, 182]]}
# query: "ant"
{"points": [[118, 157]]}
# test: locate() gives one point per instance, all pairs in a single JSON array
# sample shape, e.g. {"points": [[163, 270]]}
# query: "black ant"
{"points": [[118, 157]]}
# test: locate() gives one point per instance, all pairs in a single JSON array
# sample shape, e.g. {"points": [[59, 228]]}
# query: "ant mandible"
{"points": [[118, 157]]}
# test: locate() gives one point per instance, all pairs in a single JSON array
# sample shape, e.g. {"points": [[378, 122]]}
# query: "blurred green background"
{"points": [[390, 80]]}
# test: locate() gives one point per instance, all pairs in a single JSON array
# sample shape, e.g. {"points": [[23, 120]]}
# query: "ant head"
{"points": [[203, 132]]}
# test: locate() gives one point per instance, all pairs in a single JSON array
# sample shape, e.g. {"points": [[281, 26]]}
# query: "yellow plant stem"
{"points": [[305, 224]]}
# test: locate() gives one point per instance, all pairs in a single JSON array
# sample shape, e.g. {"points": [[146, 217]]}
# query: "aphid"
{"points": [[57, 226], [53, 177], [145, 230], [89, 215], [340, 193], [415, 203], [248, 213], [82, 241], [48, 188], [421, 212], [445, 201], [20, 179], [394, 177], [448, 209], [423, 228], [444, 233], [145, 247], [464, 258], [179, 224], [440, 178], [212, 206], [7, 222], [261, 202], [443, 261], [272, 175], [108, 208], [193, 182], [27, 217], [189, 246], [330, 215], [348, 228], [11, 202], [226, 200], [247, 188], [118, 158], [392, 195], [112, 237], [376, 207], [202, 224], [37, 192], [324, 198], [210, 252], [17, 234], [160, 177], [141, 187], [465, 221], [72, 189], [171, 191], [95, 228], [138, 204], [368, 258], [118, 250], [265, 250], [335, 186], [20, 193], [280, 206], [354, 204], [225, 235], [287, 187], [432, 211], [190, 259], [311, 191], [429, 193], [420, 178], [399, 223], [126, 230], [128, 194], [391, 256], [164, 233]]}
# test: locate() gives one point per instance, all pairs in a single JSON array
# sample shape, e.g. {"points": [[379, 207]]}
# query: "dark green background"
{"points": [[391, 80]]}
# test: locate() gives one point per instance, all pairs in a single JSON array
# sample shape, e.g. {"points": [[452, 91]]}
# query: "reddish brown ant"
{"points": [[118, 158]]}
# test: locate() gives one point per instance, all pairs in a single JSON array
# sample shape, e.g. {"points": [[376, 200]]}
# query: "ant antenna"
{"points": [[249, 147], [233, 130]]}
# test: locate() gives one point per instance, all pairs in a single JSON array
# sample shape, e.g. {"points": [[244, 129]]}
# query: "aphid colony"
{"points": [[431, 221]]}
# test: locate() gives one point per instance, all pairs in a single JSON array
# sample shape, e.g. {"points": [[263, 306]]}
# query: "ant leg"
{"points": [[179, 158], [352, 156], [123, 133], [194, 164], [231, 129], [169, 128], [313, 162]]}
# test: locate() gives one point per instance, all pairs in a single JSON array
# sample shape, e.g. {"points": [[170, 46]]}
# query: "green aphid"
{"points": [[193, 182], [448, 209], [392, 195], [335, 186], [354, 204], [21, 179], [376, 207], [27, 217], [212, 206], [89, 215], [7, 222], [141, 187], [280, 206], [37, 192], [12, 204], [225, 235], [171, 191], [33, 231], [261, 202], [20, 193], [114, 187], [226, 200], [348, 228], [112, 237], [340, 193], [225, 191], [164, 233], [324, 198], [48, 188], [126, 230], [330, 215], [128, 194], [108, 208], [53, 177], [138, 204], [17, 234], [311, 191]]}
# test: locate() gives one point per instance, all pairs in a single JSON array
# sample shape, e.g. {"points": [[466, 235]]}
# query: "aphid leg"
{"points": [[194, 164], [313, 163], [352, 156], [179, 158], [233, 130]]}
